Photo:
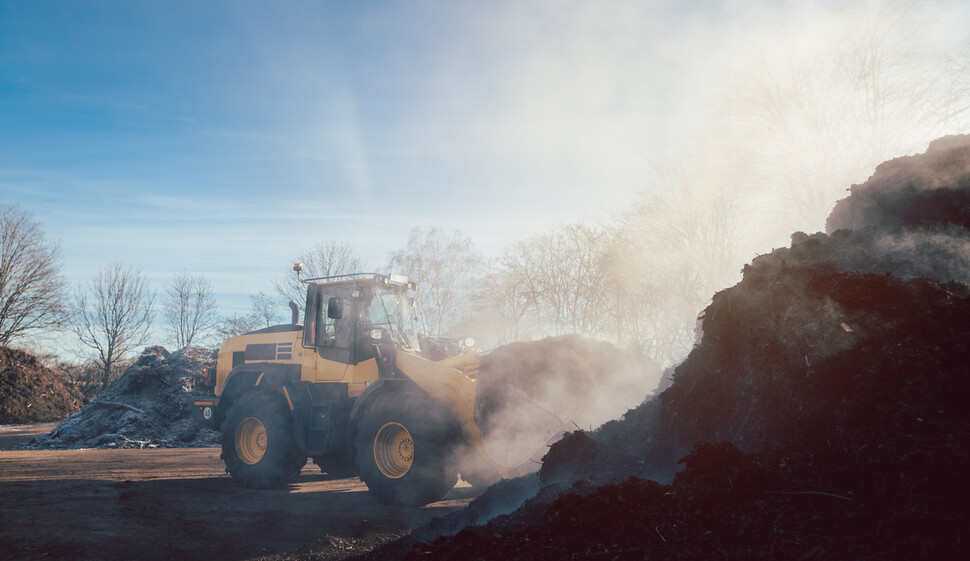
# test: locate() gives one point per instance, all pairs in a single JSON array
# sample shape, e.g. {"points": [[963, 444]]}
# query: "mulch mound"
{"points": [[148, 406], [31, 393], [727, 505], [911, 192], [822, 416]]}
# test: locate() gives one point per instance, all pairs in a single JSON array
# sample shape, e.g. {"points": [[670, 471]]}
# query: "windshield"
{"points": [[392, 310]]}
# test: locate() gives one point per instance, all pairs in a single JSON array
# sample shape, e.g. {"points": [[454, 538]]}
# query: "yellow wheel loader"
{"points": [[350, 389]]}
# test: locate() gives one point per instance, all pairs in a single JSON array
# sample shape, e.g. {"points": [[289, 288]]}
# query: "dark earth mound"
{"points": [[731, 505], [925, 190], [149, 406], [823, 415], [31, 393]]}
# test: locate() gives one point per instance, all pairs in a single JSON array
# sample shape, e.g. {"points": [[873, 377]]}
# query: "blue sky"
{"points": [[223, 137]]}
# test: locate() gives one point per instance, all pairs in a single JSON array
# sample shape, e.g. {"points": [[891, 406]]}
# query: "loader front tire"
{"points": [[257, 441], [405, 446]]}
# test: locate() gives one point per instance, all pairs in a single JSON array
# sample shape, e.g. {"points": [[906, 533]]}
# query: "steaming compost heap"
{"points": [[823, 415], [527, 392], [31, 393], [149, 406]]}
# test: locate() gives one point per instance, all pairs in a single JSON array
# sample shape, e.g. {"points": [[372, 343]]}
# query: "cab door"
{"points": [[330, 332]]}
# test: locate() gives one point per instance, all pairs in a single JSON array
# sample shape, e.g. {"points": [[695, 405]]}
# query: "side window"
{"points": [[311, 317], [337, 326]]}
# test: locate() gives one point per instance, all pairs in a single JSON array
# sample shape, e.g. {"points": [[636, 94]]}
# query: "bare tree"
{"points": [[679, 244], [189, 308], [656, 300], [237, 325], [577, 279], [267, 310], [86, 375], [116, 317], [501, 303], [695, 219], [31, 287], [552, 283], [815, 121], [324, 259], [517, 290], [443, 264]]}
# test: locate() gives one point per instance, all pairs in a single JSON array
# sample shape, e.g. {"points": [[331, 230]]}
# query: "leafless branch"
{"points": [[322, 260], [118, 318], [189, 308], [31, 287], [443, 263]]}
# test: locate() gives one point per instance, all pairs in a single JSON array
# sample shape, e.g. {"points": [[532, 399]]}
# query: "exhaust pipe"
{"points": [[296, 312]]}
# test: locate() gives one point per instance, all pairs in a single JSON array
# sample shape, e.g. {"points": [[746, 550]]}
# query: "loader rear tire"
{"points": [[257, 441], [405, 446]]}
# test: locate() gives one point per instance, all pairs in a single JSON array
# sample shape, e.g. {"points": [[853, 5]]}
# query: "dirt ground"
{"points": [[12, 435], [179, 504]]}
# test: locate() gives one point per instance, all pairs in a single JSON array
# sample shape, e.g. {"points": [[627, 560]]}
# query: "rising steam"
{"points": [[530, 393]]}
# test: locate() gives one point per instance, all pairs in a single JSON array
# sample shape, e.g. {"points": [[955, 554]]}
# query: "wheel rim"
{"points": [[393, 450], [251, 440]]}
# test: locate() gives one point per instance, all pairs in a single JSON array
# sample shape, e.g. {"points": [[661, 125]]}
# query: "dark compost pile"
{"points": [[823, 414]]}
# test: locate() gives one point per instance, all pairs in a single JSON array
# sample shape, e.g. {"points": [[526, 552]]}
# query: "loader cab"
{"points": [[345, 316]]}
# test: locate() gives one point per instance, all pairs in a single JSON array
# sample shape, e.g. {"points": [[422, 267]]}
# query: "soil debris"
{"points": [[31, 393], [148, 406]]}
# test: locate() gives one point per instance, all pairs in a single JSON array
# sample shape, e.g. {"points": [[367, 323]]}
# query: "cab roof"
{"points": [[377, 279]]}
